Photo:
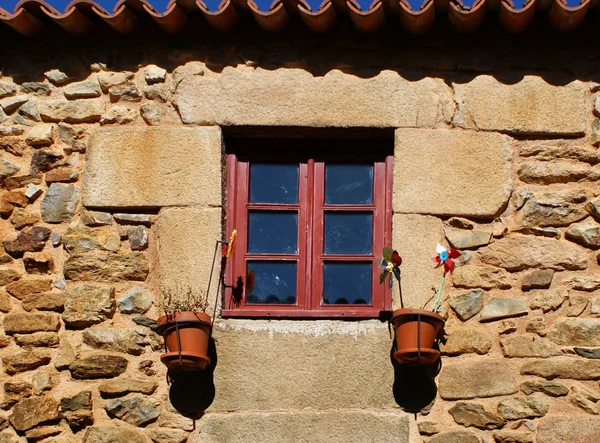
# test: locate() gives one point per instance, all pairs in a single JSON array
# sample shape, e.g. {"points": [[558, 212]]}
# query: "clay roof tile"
{"points": [[31, 17]]}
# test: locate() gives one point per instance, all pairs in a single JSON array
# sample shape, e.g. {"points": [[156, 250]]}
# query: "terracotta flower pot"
{"points": [[416, 331], [186, 337]]}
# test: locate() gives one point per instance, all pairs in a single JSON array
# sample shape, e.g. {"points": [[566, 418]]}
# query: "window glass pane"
{"points": [[271, 282], [347, 283], [348, 232], [272, 232], [273, 183], [348, 184]]}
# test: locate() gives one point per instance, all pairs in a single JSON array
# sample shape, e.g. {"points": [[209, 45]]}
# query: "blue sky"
{"points": [[161, 5]]}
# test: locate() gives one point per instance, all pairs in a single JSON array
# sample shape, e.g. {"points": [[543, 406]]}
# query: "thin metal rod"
{"points": [[178, 343], [439, 294], [221, 276], [419, 337], [211, 274], [400, 290]]}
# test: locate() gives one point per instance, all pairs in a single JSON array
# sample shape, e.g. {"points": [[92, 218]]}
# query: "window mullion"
{"points": [[380, 292], [318, 201], [239, 253], [303, 276]]}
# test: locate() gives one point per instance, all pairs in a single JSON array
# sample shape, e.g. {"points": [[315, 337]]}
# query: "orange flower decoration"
{"points": [[228, 248]]}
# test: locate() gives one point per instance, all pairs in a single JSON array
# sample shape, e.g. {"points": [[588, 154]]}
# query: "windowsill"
{"points": [[282, 314]]}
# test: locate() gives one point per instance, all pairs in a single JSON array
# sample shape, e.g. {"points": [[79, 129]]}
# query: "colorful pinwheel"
{"points": [[445, 258], [390, 264]]}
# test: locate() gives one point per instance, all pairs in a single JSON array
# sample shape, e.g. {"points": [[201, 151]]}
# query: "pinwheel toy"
{"points": [[390, 264], [445, 258]]}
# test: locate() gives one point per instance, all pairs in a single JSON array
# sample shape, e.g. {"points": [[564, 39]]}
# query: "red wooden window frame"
{"points": [[310, 257]]}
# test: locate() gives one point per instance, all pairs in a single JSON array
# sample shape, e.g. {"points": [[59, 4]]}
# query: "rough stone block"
{"points": [[135, 301], [563, 367], [59, 203], [557, 171], [316, 427], [465, 238], [113, 434], [576, 332], [460, 436], [472, 379], [485, 277], [537, 279], [34, 411], [326, 358], [530, 106], [135, 410], [89, 88], [78, 238], [571, 428], [123, 386], [187, 236], [519, 252], [473, 414], [537, 326], [37, 339], [499, 308], [510, 436], [127, 340], [77, 111], [7, 168], [415, 237], [98, 366], [467, 305], [153, 167], [106, 267], [548, 299], [26, 360], [551, 388], [465, 341], [456, 173], [294, 97], [45, 301], [8, 275], [87, 305], [528, 346], [28, 323], [40, 135]]}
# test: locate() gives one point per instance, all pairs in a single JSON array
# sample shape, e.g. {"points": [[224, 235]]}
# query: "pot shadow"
{"points": [[192, 392], [414, 384]]}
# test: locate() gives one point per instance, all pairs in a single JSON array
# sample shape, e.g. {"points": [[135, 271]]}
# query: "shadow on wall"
{"points": [[191, 393], [442, 52], [414, 385]]}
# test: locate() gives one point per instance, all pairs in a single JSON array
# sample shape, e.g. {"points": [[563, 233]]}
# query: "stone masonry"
{"points": [[112, 185]]}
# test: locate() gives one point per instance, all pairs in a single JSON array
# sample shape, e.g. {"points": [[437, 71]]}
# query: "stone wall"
{"points": [[112, 178]]}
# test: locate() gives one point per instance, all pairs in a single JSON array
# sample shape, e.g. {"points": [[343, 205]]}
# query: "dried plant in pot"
{"points": [[185, 328], [416, 330]]}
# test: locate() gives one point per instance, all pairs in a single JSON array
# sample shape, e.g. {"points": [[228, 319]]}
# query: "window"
{"points": [[311, 228]]}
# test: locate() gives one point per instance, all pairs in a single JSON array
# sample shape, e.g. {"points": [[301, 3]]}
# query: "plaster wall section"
{"points": [[111, 185]]}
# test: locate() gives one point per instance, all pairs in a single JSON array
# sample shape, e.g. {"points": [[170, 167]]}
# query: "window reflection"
{"points": [[348, 184], [347, 283], [348, 232], [272, 232], [273, 183], [271, 282]]}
